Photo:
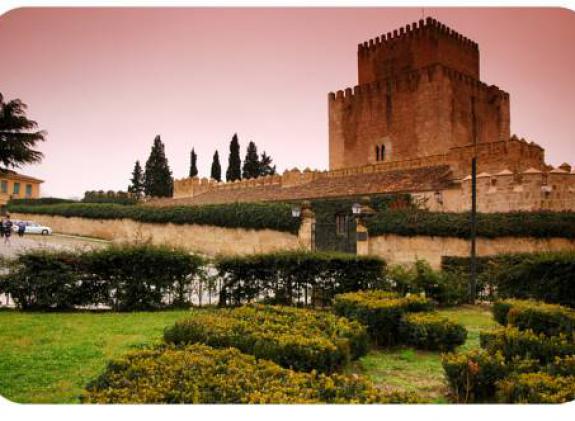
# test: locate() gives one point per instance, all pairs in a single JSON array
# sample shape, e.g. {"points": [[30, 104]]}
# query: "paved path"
{"points": [[52, 242]]}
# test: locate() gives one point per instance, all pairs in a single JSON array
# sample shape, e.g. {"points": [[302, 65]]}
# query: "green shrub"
{"points": [[540, 276], [431, 331], [274, 216], [38, 202], [472, 376], [562, 366], [302, 340], [446, 288], [46, 280], [296, 277], [550, 319], [514, 343], [125, 278], [379, 311], [411, 222], [536, 388], [200, 374]]}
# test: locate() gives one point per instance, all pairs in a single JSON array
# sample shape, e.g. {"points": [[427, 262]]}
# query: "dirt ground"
{"points": [[54, 242]]}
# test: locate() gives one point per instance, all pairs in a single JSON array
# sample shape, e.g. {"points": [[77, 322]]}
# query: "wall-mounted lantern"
{"points": [[546, 190], [296, 211], [362, 209], [302, 210]]}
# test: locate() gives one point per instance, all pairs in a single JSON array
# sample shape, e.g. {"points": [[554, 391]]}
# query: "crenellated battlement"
{"points": [[410, 81], [419, 28]]}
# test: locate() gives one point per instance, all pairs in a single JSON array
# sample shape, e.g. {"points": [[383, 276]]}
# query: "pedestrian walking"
{"points": [[7, 224], [21, 228]]}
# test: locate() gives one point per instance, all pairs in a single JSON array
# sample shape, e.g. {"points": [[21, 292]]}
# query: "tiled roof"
{"points": [[399, 181], [13, 175]]}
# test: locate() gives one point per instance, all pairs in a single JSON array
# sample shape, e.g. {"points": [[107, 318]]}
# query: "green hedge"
{"points": [[200, 374], [541, 276], [42, 201], [379, 311], [542, 224], [550, 319], [299, 339], [274, 216], [536, 388], [296, 277], [431, 331], [125, 278]]}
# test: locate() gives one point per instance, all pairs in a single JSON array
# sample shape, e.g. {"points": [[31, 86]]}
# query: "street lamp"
{"points": [[295, 211]]}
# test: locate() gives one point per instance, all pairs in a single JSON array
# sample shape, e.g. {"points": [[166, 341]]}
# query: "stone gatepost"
{"points": [[362, 238], [305, 234]]}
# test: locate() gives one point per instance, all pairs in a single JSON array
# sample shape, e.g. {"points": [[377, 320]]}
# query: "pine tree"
{"points": [[18, 135], [137, 181], [158, 180], [266, 165], [251, 162], [216, 173], [234, 171], [193, 164]]}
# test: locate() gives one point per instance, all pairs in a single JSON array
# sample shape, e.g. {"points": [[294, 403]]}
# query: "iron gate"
{"points": [[339, 235]]}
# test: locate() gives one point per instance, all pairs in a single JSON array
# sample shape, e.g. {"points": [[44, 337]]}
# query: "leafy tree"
{"points": [[18, 135], [193, 164], [234, 171], [158, 180], [216, 168], [266, 166], [137, 181], [251, 162]]}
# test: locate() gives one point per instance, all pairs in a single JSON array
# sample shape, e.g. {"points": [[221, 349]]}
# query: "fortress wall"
{"points": [[201, 239], [397, 249]]}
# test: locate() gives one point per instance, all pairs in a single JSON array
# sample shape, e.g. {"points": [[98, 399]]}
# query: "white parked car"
{"points": [[33, 228]]}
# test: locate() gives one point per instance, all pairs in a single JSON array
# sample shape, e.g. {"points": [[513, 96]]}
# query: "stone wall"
{"points": [[397, 249], [202, 239]]}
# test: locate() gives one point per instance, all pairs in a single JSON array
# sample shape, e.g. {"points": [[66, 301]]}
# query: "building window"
{"points": [[377, 153], [16, 188], [341, 224], [28, 190], [380, 153], [3, 186]]}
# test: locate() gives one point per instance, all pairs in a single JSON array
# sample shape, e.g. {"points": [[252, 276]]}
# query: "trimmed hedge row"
{"points": [[302, 340], [408, 222], [380, 311], [200, 374], [517, 364], [274, 216], [546, 277], [125, 278], [39, 201], [431, 331], [296, 277], [550, 319]]}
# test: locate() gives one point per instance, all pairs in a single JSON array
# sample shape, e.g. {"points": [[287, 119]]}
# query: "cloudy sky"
{"points": [[104, 82]]}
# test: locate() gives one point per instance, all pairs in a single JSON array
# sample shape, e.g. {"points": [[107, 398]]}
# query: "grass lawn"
{"points": [[49, 357], [421, 371]]}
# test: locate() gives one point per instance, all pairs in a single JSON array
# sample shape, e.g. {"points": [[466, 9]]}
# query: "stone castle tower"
{"points": [[419, 94]]}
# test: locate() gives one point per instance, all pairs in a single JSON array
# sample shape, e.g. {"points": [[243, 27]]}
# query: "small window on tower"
{"points": [[382, 153], [377, 153]]}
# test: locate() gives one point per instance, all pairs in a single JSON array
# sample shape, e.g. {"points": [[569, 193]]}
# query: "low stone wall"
{"points": [[396, 249], [203, 239]]}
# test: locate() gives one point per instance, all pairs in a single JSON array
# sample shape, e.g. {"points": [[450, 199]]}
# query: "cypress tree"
{"points": [[193, 164], [137, 181], [234, 171], [216, 173], [251, 162], [266, 165], [158, 180]]}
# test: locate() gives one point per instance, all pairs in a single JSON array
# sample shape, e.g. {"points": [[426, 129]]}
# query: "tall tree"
{"points": [[234, 171], [18, 135], [216, 173], [158, 180], [193, 164], [266, 167], [251, 162], [137, 181]]}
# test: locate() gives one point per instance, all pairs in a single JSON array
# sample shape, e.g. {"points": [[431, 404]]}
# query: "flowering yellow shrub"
{"points": [[201, 374], [294, 338]]}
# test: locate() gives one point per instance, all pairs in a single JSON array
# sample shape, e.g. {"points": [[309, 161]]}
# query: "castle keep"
{"points": [[412, 124]]}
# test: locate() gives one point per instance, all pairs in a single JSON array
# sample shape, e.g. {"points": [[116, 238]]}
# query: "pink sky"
{"points": [[103, 82]]}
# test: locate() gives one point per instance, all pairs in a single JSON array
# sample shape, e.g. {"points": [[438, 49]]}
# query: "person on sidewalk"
{"points": [[7, 224]]}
